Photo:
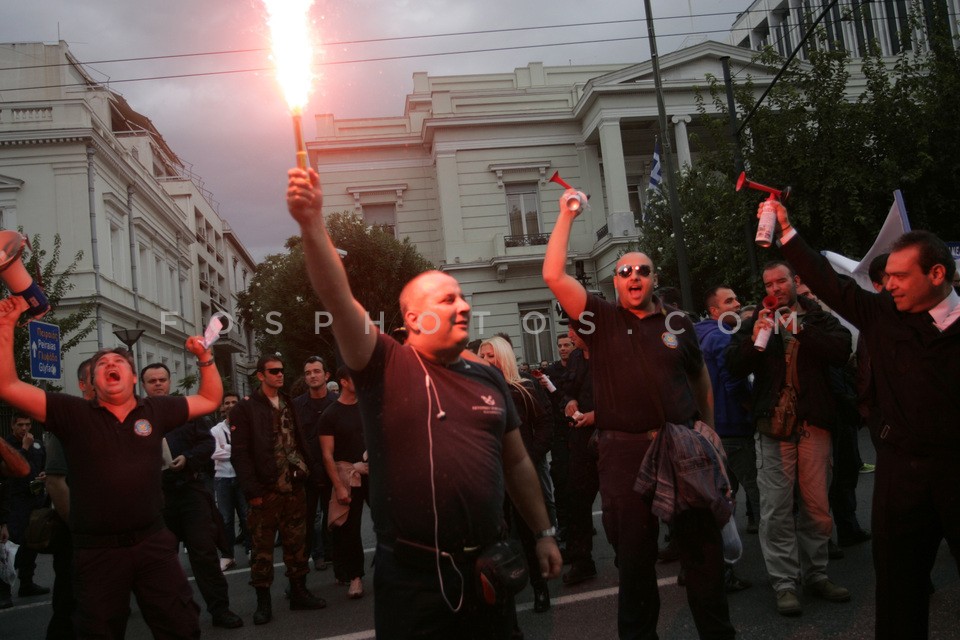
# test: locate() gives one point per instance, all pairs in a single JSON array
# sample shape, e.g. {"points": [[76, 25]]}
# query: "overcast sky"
{"points": [[234, 129]]}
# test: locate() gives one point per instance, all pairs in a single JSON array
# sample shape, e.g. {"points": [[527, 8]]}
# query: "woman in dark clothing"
{"points": [[535, 429]]}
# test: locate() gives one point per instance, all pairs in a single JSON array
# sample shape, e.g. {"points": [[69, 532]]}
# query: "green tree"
{"points": [[56, 282], [280, 304], [842, 156]]}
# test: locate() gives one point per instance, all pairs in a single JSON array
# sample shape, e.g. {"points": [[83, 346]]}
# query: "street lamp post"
{"points": [[128, 337]]}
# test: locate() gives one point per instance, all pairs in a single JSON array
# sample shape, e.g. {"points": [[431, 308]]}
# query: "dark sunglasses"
{"points": [[643, 269], [274, 371]]}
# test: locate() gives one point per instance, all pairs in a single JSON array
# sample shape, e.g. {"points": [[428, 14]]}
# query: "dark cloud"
{"points": [[234, 130]]}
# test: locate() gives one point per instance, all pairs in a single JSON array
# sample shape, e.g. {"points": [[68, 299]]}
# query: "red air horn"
{"points": [[575, 202], [16, 276], [763, 336], [768, 212]]}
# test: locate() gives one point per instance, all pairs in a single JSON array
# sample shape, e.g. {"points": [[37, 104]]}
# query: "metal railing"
{"points": [[531, 240]]}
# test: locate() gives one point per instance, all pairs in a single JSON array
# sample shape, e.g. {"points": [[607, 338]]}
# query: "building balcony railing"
{"points": [[531, 240], [603, 232]]}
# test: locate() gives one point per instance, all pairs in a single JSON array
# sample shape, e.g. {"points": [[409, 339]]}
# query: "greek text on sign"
{"points": [[44, 351]]}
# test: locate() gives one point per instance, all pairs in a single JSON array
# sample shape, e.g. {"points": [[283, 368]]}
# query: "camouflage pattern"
{"points": [[285, 512]]}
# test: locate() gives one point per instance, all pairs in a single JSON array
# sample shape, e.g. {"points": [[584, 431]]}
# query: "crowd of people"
{"points": [[663, 414]]}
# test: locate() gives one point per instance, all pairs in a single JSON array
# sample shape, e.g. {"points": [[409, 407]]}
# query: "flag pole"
{"points": [[683, 267]]}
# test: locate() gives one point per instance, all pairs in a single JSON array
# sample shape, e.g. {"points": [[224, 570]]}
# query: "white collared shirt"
{"points": [[947, 312]]}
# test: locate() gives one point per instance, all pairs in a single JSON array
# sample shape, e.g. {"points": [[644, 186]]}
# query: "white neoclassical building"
{"points": [[464, 172], [77, 161]]}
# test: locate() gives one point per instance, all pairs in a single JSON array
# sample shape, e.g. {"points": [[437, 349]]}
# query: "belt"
{"points": [[424, 557], [115, 540]]}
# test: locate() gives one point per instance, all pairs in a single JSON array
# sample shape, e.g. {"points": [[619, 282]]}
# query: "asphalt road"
{"points": [[584, 611]]}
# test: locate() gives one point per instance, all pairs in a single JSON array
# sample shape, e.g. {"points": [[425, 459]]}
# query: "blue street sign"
{"points": [[44, 350]]}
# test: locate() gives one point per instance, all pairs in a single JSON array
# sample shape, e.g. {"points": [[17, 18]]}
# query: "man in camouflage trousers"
{"points": [[273, 465]]}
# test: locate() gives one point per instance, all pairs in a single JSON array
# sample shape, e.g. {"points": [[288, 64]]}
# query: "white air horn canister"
{"points": [[15, 275]]}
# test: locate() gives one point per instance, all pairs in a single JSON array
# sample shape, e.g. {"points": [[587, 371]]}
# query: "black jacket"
{"points": [[252, 454], [915, 367], [823, 342]]}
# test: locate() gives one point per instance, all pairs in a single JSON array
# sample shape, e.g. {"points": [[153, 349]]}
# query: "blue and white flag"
{"points": [[656, 171]]}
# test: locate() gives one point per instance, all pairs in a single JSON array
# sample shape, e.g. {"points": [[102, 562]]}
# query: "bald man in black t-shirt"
{"points": [[647, 370], [442, 440]]}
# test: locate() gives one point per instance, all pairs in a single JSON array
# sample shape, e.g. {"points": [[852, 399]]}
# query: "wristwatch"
{"points": [[547, 533]]}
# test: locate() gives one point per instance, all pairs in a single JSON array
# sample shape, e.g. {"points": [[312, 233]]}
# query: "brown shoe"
{"points": [[788, 604], [829, 591]]}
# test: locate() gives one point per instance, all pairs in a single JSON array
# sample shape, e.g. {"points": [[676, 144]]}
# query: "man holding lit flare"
{"points": [[442, 438]]}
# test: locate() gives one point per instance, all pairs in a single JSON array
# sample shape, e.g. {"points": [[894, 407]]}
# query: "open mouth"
{"points": [[113, 376]]}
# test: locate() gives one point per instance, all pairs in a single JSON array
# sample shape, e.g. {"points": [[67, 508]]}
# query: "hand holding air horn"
{"points": [[16, 276], [768, 209], [574, 201]]}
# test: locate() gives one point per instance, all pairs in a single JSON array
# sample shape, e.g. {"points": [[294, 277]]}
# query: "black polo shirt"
{"points": [[342, 421], [114, 466], [399, 411], [669, 344]]}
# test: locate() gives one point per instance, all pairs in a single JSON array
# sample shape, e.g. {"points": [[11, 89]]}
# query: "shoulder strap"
{"points": [[791, 359]]}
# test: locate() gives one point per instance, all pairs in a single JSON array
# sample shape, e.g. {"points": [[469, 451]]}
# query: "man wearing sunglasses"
{"points": [[647, 369], [443, 444], [273, 465]]}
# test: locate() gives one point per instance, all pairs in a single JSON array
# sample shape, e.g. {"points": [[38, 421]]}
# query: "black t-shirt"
{"points": [[342, 421], [309, 411], [399, 409], [669, 343], [114, 467]]}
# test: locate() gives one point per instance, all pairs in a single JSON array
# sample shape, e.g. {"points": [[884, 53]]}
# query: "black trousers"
{"points": [[64, 602], [346, 539], [846, 476], [915, 506], [104, 578], [632, 530], [190, 513], [409, 603], [583, 485]]}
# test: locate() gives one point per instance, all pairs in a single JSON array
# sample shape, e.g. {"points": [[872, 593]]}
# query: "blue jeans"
{"points": [[230, 499]]}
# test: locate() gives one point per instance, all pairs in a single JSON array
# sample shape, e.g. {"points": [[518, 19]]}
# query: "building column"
{"points": [[619, 217], [682, 142], [448, 195]]}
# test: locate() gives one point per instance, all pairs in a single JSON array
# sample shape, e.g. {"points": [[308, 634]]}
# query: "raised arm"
{"points": [[843, 295], [208, 398], [12, 464], [355, 333], [569, 292], [14, 391]]}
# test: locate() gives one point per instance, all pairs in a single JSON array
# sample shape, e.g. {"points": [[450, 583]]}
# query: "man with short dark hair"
{"points": [[912, 334], [731, 408], [114, 447], [443, 443], [808, 341], [229, 497], [189, 509], [309, 406], [273, 464], [650, 375]]}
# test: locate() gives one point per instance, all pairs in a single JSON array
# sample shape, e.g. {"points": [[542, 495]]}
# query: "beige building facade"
{"points": [[77, 161], [464, 173]]}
